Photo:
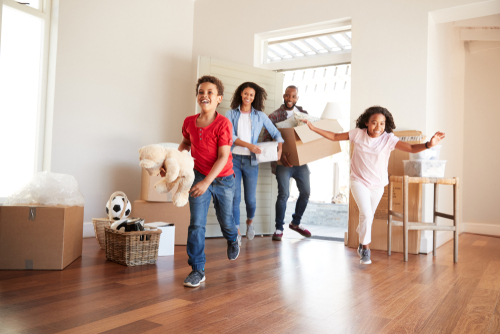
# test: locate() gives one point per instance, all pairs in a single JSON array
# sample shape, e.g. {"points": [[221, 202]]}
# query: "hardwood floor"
{"points": [[293, 286]]}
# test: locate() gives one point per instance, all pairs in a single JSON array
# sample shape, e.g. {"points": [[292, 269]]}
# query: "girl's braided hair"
{"points": [[258, 101], [365, 117]]}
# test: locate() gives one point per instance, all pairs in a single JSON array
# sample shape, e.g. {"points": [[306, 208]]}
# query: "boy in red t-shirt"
{"points": [[209, 137]]}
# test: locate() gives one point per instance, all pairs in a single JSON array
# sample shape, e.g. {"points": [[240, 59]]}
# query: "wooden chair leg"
{"points": [[456, 219], [389, 221], [405, 217]]}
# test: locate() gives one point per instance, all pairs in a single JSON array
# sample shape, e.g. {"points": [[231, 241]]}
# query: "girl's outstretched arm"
{"points": [[415, 148], [327, 134]]}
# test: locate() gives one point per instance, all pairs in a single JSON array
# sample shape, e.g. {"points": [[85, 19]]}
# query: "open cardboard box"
{"points": [[307, 146], [40, 237]]}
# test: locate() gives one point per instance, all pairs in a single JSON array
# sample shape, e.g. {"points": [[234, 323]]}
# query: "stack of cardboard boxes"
{"points": [[156, 207]]}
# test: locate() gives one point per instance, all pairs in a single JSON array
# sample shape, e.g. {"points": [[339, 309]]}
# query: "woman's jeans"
{"points": [[301, 176], [243, 169], [222, 192], [367, 200]]}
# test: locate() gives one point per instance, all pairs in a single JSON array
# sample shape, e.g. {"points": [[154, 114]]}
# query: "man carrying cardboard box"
{"points": [[285, 171]]}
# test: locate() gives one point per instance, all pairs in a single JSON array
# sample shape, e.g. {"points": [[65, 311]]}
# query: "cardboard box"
{"points": [[379, 227], [40, 237], [307, 146], [148, 191], [153, 212]]}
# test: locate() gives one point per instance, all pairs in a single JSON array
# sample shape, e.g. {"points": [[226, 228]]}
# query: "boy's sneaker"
{"points": [[365, 256], [250, 232], [195, 278], [233, 249], [300, 229], [359, 250], [239, 240], [278, 234]]}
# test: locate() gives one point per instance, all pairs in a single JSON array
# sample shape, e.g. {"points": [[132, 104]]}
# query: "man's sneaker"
{"points": [[300, 229], [195, 278], [239, 240], [365, 256], [359, 250], [250, 232], [233, 249], [278, 234]]}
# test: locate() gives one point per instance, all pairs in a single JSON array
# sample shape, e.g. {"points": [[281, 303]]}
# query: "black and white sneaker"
{"points": [[233, 249], [365, 256], [195, 278]]}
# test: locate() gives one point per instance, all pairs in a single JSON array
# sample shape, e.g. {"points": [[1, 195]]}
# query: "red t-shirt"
{"points": [[205, 143]]}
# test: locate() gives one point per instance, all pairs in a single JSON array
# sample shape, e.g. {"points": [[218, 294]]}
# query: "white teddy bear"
{"points": [[178, 166]]}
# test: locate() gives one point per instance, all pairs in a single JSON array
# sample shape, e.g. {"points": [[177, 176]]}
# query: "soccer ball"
{"points": [[115, 207]]}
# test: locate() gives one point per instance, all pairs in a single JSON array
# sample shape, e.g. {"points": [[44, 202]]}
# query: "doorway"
{"points": [[322, 88]]}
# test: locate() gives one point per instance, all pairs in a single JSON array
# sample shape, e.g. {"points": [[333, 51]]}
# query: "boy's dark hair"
{"points": [[365, 117], [258, 101], [211, 79]]}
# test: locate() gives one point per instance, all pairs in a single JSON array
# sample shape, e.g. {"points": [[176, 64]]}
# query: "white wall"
{"points": [[444, 112], [481, 155], [123, 80], [389, 44]]}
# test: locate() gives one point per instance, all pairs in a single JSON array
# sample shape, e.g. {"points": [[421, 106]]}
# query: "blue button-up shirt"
{"points": [[258, 120]]}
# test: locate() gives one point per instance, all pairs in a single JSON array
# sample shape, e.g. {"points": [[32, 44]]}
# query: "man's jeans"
{"points": [[301, 176], [222, 192], [243, 169]]}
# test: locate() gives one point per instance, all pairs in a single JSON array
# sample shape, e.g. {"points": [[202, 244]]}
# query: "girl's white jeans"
{"points": [[367, 200]]}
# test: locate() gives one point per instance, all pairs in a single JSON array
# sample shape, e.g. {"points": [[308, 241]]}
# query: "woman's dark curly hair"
{"points": [[258, 101], [365, 117]]}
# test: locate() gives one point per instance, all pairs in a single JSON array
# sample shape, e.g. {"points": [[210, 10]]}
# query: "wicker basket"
{"points": [[101, 223], [132, 248]]}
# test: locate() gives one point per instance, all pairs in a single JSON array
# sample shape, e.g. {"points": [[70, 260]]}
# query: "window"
{"points": [[23, 75]]}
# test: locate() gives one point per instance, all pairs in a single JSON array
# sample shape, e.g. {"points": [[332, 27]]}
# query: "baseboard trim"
{"points": [[88, 230], [477, 228]]}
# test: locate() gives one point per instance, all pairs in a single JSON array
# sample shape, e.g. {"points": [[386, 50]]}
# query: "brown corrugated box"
{"points": [[165, 212], [307, 146], [40, 237], [148, 191], [379, 227]]}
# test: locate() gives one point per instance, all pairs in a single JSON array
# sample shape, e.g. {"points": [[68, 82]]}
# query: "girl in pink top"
{"points": [[373, 142]]}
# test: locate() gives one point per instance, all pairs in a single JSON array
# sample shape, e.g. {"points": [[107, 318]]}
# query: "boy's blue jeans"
{"points": [[243, 169], [301, 176], [222, 192]]}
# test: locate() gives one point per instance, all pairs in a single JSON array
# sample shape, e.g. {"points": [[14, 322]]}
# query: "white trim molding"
{"points": [[88, 230], [480, 228]]}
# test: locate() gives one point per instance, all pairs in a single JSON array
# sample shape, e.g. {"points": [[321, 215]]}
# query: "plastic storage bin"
{"points": [[430, 154], [425, 168]]}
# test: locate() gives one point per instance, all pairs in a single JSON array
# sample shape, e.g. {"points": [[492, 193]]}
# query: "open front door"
{"points": [[232, 75]]}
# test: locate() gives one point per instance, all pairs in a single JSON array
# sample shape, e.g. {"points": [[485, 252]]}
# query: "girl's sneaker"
{"points": [[359, 250], [365, 256], [239, 240]]}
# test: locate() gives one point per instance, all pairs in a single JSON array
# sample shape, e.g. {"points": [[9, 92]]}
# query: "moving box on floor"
{"points": [[379, 228], [40, 237], [148, 191], [153, 212]]}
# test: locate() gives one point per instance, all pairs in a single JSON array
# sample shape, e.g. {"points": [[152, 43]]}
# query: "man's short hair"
{"points": [[211, 79], [294, 87]]}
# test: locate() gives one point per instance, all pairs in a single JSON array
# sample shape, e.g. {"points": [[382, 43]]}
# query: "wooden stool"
{"points": [[423, 226]]}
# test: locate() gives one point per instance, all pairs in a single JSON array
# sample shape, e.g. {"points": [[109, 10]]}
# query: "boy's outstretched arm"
{"points": [[327, 134], [202, 186], [415, 148]]}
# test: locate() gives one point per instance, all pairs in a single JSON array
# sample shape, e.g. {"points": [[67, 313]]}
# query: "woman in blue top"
{"points": [[248, 120]]}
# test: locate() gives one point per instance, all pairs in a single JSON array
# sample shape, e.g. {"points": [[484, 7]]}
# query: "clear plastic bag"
{"points": [[47, 188]]}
